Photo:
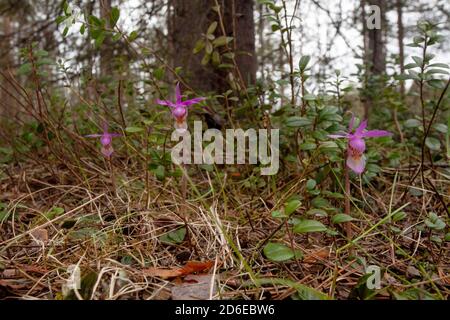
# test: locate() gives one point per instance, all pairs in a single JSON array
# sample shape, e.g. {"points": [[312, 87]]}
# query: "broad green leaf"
{"points": [[199, 46], [278, 252], [291, 207], [296, 122], [221, 41], [134, 129], [115, 14], [311, 184], [433, 143], [412, 123], [317, 212], [212, 27], [176, 236], [304, 62], [341, 218], [434, 222], [305, 226]]}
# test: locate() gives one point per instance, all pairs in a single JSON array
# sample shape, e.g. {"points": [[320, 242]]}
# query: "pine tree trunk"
{"points": [[190, 19], [7, 104], [401, 36], [106, 50]]}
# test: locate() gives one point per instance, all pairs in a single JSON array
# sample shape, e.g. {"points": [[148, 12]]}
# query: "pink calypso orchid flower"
{"points": [[180, 108], [356, 160], [105, 140]]}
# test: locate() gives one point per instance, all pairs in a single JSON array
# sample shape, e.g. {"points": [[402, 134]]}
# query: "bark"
{"points": [[374, 55], [106, 50], [190, 19], [377, 52], [401, 36], [7, 104]]}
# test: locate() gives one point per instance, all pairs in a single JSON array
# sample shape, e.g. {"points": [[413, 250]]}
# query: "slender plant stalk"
{"points": [[113, 177], [347, 226]]}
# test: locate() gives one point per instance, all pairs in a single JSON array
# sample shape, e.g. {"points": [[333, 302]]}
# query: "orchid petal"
{"points": [[192, 101], [356, 163], [337, 136], [357, 143], [105, 127], [178, 93], [112, 135], [165, 103], [361, 128], [376, 133], [107, 150], [351, 123]]}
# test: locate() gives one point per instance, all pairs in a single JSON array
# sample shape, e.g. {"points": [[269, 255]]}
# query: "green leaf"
{"points": [[307, 293], [433, 143], [278, 252], [305, 226], [434, 222], [411, 65], [215, 58], [99, 40], [297, 122], [438, 65], [291, 207], [412, 123], [437, 71], [221, 41], [160, 172], [134, 129], [309, 97], [25, 69], [205, 59], [133, 35], [308, 146], [399, 216], [176, 236], [199, 46], [320, 203], [115, 14], [212, 27], [279, 214], [275, 27], [304, 62], [341, 218], [158, 73], [66, 30], [447, 236], [317, 212], [96, 21], [418, 60], [311, 184]]}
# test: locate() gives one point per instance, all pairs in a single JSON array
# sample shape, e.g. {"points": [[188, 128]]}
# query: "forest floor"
{"points": [[130, 244]]}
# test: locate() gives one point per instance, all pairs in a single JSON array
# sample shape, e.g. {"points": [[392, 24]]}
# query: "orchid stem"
{"points": [[113, 178], [348, 226]]}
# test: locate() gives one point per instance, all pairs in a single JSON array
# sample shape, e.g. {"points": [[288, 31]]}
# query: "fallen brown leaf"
{"points": [[189, 268], [317, 255]]}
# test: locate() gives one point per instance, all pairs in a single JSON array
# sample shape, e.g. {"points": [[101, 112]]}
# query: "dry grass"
{"points": [[115, 237]]}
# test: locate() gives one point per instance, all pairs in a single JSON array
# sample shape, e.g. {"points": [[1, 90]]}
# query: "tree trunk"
{"points": [[401, 36], [377, 52], [106, 50], [7, 106], [374, 55], [187, 24]]}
